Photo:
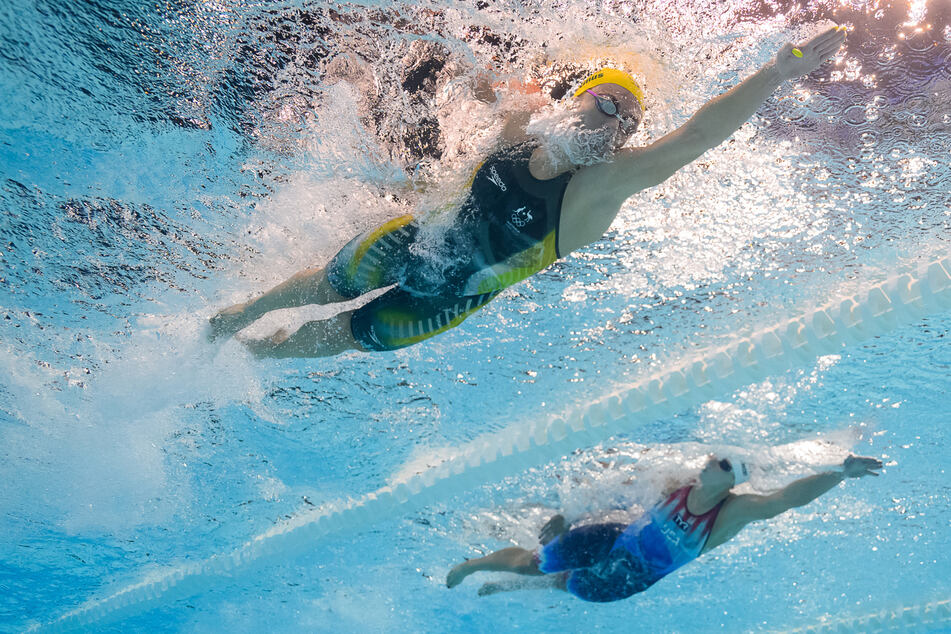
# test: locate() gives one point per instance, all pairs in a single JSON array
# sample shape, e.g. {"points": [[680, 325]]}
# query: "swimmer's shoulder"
{"points": [[596, 193], [632, 170], [628, 172]]}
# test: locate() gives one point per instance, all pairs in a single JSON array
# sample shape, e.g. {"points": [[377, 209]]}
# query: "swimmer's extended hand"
{"points": [[795, 61], [859, 466]]}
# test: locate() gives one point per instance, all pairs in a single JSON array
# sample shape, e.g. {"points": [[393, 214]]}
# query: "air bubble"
{"points": [[791, 110], [920, 42], [856, 115], [918, 104]]}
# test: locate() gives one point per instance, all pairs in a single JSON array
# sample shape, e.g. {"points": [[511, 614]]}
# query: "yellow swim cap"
{"points": [[612, 76]]}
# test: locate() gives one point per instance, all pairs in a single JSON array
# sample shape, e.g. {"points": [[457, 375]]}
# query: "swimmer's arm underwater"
{"points": [[514, 129], [517, 102], [741, 510], [554, 527], [635, 169]]}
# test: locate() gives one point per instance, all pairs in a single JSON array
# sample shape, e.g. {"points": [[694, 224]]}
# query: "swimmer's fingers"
{"points": [[828, 47], [830, 39], [870, 463], [872, 466], [825, 45], [226, 322]]}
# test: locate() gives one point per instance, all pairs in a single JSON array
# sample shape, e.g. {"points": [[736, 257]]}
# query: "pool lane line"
{"points": [[899, 301], [918, 617]]}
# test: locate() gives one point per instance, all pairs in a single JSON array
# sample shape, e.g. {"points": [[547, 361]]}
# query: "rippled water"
{"points": [[158, 162]]}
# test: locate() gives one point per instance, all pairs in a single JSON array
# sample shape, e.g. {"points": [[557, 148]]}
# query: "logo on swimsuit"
{"points": [[520, 217], [495, 179], [679, 521]]}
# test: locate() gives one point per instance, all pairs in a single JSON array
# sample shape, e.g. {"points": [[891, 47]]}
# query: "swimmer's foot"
{"points": [[457, 574], [261, 347], [553, 528], [279, 337], [227, 322], [492, 588], [536, 583]]}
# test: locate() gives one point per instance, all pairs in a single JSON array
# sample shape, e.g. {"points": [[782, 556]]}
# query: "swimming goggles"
{"points": [[607, 106], [725, 465]]}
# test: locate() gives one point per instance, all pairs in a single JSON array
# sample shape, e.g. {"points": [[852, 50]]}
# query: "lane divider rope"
{"points": [[899, 301], [907, 618]]}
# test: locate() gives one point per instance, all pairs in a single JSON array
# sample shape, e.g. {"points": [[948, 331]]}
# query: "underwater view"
{"points": [[189, 442]]}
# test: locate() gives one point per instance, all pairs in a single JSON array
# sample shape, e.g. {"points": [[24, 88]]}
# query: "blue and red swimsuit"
{"points": [[608, 562]]}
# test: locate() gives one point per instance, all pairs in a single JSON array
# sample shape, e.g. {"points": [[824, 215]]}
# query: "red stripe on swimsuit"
{"points": [[685, 533]]}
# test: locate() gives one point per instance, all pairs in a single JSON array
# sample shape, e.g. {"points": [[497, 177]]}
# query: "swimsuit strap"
{"points": [[676, 503]]}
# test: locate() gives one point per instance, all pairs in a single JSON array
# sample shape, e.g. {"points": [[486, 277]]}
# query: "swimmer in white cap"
{"points": [[612, 561]]}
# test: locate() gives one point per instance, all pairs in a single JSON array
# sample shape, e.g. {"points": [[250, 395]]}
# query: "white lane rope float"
{"points": [[930, 616], [899, 301]]}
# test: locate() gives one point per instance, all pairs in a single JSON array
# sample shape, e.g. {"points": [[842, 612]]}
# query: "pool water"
{"points": [[160, 162]]}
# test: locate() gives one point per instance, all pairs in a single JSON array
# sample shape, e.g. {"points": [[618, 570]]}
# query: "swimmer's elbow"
{"points": [[697, 139]]}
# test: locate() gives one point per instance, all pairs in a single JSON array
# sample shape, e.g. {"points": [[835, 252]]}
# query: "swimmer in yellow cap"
{"points": [[545, 193]]}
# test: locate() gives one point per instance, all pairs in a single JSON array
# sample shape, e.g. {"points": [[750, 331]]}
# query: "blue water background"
{"points": [[160, 162]]}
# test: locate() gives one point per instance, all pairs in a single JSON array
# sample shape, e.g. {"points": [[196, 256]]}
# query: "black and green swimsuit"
{"points": [[505, 231]]}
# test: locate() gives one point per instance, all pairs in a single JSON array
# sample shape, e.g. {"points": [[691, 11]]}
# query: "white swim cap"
{"points": [[741, 467]]}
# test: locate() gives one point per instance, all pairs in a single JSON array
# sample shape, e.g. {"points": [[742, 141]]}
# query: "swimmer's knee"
{"points": [[335, 335], [343, 322]]}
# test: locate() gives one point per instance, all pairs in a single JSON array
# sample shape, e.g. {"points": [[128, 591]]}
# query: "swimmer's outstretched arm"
{"points": [[743, 509], [632, 170]]}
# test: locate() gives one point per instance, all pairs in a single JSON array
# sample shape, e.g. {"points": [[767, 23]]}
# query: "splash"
{"points": [[565, 138], [185, 156]]}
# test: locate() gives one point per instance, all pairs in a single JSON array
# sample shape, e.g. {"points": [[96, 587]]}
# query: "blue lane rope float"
{"points": [[907, 618], [899, 301]]}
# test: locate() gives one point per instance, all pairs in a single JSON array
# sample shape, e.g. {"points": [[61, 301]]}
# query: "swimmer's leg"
{"points": [[517, 560], [557, 581], [325, 338], [310, 286], [369, 261]]}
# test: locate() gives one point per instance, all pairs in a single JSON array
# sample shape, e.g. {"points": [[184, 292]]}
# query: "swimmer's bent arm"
{"points": [[635, 169]]}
